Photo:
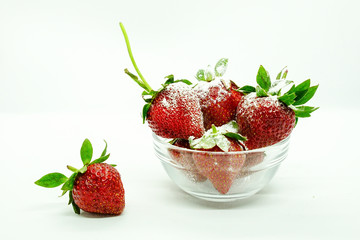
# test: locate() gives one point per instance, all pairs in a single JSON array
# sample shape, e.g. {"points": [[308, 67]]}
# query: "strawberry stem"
{"points": [[147, 86]]}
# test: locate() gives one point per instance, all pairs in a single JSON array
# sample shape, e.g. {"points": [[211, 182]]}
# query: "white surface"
{"points": [[315, 194], [62, 80]]}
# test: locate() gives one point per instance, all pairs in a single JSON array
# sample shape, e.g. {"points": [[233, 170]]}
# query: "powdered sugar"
{"points": [[176, 112], [210, 93]]}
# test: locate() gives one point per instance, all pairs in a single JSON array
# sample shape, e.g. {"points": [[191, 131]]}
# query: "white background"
{"points": [[62, 80]]}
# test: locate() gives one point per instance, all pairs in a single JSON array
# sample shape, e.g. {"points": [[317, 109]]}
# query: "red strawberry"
{"points": [[218, 103], [185, 159], [175, 113], [174, 110], [236, 95], [221, 169], [269, 117], [264, 121], [96, 187], [218, 98], [214, 161], [99, 190], [251, 159]]}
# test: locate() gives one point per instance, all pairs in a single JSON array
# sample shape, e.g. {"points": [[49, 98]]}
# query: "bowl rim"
{"points": [[165, 142]]}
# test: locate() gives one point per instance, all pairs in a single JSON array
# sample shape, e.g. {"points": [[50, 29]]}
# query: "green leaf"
{"points": [[72, 202], [101, 159], [222, 142], [291, 90], [86, 151], [63, 193], [83, 169], [200, 75], [263, 79], [220, 67], [278, 77], [288, 99], [284, 74], [307, 96], [303, 111], [300, 94], [148, 96], [184, 81], [205, 142], [105, 149], [215, 137], [170, 77], [113, 165], [246, 89], [236, 136], [145, 111], [75, 208], [303, 86], [135, 78], [260, 92], [71, 199], [71, 168], [51, 180], [231, 126], [170, 80], [209, 74], [69, 184], [278, 85]]}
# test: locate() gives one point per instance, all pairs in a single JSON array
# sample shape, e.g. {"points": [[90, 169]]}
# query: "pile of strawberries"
{"points": [[216, 115], [212, 116]]}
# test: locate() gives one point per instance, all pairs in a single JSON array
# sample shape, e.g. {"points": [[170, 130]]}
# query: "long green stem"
{"points": [[132, 57]]}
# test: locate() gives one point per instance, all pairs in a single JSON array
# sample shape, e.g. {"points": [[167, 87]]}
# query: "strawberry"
{"points": [[175, 113], [99, 190], [174, 110], [220, 168], [185, 159], [265, 116], [251, 159], [218, 98], [264, 121], [95, 188]]}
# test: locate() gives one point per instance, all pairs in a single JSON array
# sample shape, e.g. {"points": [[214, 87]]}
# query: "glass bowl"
{"points": [[220, 176]]}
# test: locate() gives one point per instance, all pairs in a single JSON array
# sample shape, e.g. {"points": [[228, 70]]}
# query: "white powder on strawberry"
{"points": [[212, 92], [165, 103], [176, 112]]}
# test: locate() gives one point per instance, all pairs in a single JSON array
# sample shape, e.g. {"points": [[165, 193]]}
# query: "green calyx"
{"points": [[148, 94], [209, 74], [294, 98], [216, 136], [55, 179]]}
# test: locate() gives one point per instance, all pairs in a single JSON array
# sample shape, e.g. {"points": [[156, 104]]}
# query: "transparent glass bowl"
{"points": [[220, 176]]}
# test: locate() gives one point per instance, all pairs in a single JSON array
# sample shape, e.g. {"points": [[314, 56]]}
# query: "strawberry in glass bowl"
{"points": [[218, 141]]}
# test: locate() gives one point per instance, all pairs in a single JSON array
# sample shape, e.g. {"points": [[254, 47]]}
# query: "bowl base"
{"points": [[222, 198]]}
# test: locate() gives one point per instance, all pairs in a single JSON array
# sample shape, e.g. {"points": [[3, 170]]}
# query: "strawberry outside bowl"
{"points": [[220, 176]]}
